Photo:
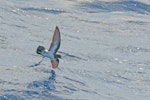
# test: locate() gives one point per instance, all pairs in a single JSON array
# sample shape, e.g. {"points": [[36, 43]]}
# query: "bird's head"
{"points": [[40, 49]]}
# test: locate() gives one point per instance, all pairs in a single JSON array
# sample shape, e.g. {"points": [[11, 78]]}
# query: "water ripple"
{"points": [[132, 49], [76, 81], [134, 6], [44, 88], [45, 10], [47, 85], [10, 97]]}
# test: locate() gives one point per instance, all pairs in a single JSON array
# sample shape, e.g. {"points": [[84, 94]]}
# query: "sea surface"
{"points": [[105, 48]]}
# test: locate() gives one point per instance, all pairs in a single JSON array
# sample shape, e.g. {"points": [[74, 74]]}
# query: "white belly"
{"points": [[48, 54]]}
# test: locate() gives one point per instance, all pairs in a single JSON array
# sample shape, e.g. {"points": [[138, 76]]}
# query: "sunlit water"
{"points": [[105, 49]]}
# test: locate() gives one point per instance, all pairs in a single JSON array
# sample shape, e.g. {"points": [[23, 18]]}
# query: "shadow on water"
{"points": [[47, 85], [37, 90], [45, 10], [43, 88], [134, 6]]}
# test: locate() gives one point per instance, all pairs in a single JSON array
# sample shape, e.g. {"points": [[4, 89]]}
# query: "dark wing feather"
{"points": [[55, 44], [54, 63]]}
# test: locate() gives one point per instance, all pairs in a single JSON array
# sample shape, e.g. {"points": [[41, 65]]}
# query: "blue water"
{"points": [[105, 50], [125, 5]]}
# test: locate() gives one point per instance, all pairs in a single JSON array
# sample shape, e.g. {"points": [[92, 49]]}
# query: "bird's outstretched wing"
{"points": [[54, 63], [55, 44]]}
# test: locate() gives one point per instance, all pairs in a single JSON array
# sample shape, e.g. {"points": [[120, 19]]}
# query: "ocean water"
{"points": [[105, 49]]}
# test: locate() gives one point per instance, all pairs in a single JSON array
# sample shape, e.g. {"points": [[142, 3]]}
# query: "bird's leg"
{"points": [[37, 64]]}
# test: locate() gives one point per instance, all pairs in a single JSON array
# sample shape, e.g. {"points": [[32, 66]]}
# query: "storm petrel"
{"points": [[52, 51]]}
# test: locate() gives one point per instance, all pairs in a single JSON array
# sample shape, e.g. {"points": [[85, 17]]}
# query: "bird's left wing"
{"points": [[55, 44]]}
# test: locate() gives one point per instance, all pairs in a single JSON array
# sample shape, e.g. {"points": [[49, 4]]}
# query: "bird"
{"points": [[52, 51]]}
